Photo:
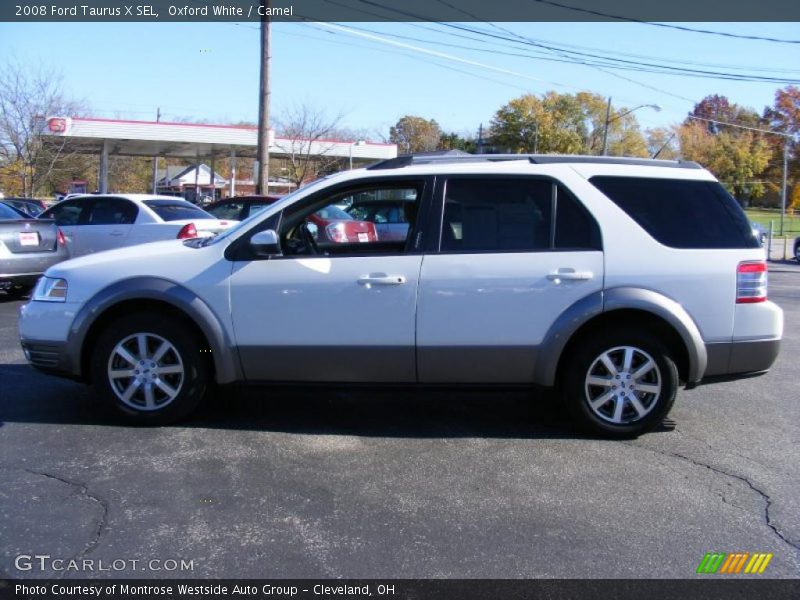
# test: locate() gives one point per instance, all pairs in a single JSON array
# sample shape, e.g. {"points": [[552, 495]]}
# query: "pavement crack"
{"points": [[83, 490], [764, 496]]}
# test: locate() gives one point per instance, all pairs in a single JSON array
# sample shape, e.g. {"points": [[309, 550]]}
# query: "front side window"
{"points": [[342, 225]]}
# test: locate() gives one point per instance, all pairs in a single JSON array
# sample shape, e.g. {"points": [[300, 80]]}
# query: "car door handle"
{"points": [[570, 275], [381, 279], [117, 233]]}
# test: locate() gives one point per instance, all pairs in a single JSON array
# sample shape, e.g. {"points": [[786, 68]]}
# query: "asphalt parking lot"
{"points": [[335, 483]]}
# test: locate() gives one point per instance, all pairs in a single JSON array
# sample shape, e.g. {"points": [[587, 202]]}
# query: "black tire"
{"points": [[185, 353], [576, 390]]}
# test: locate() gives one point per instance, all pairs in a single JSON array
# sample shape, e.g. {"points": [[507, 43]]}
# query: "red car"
{"points": [[336, 226]]}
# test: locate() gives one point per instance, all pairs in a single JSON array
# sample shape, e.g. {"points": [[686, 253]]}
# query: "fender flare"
{"points": [[585, 309], [223, 353]]}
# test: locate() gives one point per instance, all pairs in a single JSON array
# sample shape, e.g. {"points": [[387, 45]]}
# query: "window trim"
{"points": [[441, 195]]}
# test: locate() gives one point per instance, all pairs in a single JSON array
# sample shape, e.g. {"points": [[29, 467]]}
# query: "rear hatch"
{"points": [[26, 236]]}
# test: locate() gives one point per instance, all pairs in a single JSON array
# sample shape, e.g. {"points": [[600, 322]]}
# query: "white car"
{"points": [[92, 223], [613, 280]]}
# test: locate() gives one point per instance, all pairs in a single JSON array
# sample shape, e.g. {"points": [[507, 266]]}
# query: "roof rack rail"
{"points": [[407, 160]]}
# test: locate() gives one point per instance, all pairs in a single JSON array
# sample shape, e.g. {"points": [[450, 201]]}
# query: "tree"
{"points": [[307, 135], [662, 143], [737, 157], [454, 141], [27, 96], [415, 134], [565, 124], [784, 116]]}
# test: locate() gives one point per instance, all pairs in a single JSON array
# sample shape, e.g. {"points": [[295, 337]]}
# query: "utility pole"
{"points": [[783, 186], [262, 184], [480, 139], [605, 129], [155, 156]]}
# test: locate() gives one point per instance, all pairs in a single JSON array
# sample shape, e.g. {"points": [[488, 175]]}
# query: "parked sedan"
{"points": [[797, 249], [30, 206], [28, 247], [103, 222]]}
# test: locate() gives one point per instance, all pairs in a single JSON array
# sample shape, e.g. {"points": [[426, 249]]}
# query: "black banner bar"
{"points": [[618, 11], [713, 588]]}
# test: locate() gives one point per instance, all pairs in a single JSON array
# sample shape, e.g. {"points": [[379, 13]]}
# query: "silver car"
{"points": [[28, 247]]}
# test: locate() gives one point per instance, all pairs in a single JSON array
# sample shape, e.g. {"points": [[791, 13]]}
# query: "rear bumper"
{"points": [[734, 360], [50, 357]]}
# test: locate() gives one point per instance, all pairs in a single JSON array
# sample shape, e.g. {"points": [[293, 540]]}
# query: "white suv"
{"points": [[613, 280]]}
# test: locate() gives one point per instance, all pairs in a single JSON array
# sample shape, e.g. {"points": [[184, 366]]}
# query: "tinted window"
{"points": [[229, 210], [680, 213], [496, 215], [177, 210], [6, 212], [333, 213], [575, 228], [66, 213], [112, 211]]}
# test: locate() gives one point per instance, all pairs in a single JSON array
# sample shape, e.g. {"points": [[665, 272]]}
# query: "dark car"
{"points": [[239, 207], [797, 249], [28, 247], [30, 206]]}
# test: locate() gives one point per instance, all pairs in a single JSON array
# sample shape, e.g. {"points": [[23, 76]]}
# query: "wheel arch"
{"points": [[142, 294], [629, 307]]}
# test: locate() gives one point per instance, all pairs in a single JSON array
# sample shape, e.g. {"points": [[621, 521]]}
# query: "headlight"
{"points": [[50, 290]]}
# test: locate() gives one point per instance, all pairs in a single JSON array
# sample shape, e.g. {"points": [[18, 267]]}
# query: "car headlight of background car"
{"points": [[49, 289]]}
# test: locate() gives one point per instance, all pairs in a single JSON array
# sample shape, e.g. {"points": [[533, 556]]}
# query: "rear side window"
{"points": [[514, 215], [680, 213], [112, 211], [175, 210], [66, 213]]}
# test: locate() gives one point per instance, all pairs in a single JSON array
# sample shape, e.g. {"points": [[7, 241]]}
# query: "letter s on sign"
{"points": [[57, 125]]}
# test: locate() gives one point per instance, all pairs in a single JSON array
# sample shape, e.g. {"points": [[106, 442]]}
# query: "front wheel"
{"points": [[620, 384], [149, 369]]}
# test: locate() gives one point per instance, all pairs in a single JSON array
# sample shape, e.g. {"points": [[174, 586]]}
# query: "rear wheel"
{"points": [[148, 367], [797, 253], [620, 384]]}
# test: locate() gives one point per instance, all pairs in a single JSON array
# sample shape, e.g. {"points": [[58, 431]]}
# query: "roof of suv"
{"points": [[408, 160]]}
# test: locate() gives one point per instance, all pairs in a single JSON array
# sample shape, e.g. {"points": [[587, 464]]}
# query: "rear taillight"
{"points": [[62, 241], [337, 233], [188, 231], [751, 282]]}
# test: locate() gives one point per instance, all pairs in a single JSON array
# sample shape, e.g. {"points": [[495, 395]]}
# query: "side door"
{"points": [[513, 254], [108, 224], [328, 311], [70, 215]]}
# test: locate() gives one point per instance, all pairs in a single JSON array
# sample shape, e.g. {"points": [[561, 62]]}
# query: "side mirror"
{"points": [[265, 243]]}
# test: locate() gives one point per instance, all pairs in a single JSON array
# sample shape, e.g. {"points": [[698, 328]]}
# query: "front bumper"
{"points": [[50, 357]]}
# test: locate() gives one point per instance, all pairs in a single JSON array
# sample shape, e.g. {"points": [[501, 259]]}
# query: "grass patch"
{"points": [[791, 224]]}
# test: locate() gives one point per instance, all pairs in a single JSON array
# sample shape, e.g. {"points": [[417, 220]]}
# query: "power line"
{"points": [[667, 25]]}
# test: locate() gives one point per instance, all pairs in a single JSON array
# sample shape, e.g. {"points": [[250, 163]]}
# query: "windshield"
{"points": [[254, 217], [177, 210]]}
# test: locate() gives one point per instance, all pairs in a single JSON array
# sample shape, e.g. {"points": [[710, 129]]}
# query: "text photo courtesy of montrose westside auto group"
{"points": [[355, 299]]}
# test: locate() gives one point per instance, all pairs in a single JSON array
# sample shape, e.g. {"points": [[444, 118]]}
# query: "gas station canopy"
{"points": [[193, 141]]}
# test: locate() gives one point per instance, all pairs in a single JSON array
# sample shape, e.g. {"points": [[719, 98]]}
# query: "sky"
{"points": [[209, 71]]}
